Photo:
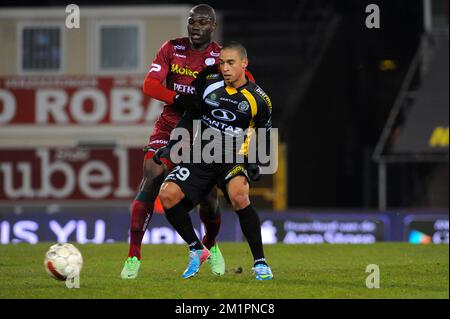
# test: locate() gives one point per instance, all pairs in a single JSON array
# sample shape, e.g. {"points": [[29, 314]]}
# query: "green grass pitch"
{"points": [[300, 271]]}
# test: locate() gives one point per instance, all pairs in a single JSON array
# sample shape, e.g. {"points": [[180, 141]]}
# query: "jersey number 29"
{"points": [[180, 173]]}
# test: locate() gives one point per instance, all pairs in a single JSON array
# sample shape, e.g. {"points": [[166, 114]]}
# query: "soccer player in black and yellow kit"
{"points": [[228, 104]]}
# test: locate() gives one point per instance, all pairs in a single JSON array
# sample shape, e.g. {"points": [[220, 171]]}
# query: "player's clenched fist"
{"points": [[189, 102]]}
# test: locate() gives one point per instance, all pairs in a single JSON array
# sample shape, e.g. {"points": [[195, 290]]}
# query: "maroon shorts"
{"points": [[160, 137]]}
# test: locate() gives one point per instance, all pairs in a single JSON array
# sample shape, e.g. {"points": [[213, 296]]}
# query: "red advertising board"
{"points": [[61, 100], [69, 174], [49, 114]]}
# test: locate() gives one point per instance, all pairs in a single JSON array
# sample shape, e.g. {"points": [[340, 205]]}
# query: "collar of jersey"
{"points": [[231, 90]]}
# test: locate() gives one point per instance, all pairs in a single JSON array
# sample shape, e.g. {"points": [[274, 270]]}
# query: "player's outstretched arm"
{"points": [[153, 82]]}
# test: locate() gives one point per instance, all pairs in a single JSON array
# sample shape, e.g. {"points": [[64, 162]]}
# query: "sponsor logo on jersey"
{"points": [[264, 96], [179, 47], [182, 88], [228, 100], [180, 55], [159, 142], [224, 127], [243, 106], [212, 103], [212, 76], [155, 67], [224, 115], [235, 171], [177, 69], [214, 54], [210, 61]]}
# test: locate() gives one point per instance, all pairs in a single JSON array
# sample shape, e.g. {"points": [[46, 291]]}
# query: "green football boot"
{"points": [[216, 261], [130, 268]]}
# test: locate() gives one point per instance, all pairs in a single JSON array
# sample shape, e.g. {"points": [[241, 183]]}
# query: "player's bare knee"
{"points": [[239, 200], [170, 194]]}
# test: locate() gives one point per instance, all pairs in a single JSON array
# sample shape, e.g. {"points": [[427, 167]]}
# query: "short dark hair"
{"points": [[236, 46], [204, 9]]}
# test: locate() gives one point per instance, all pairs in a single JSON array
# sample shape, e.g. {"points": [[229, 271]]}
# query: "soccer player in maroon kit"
{"points": [[177, 63]]}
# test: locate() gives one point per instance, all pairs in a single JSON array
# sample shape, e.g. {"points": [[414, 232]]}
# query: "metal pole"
{"points": [[427, 16], [382, 186]]}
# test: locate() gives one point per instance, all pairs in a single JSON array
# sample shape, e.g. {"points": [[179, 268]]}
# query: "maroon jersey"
{"points": [[178, 65]]}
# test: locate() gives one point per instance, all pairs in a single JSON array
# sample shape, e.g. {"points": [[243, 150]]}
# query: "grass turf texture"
{"points": [[300, 271]]}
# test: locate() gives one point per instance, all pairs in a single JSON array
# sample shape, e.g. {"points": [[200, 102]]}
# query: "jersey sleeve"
{"points": [[159, 69], [161, 64], [156, 90], [263, 118]]}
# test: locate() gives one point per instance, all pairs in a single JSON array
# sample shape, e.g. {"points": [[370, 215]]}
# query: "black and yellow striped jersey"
{"points": [[232, 112]]}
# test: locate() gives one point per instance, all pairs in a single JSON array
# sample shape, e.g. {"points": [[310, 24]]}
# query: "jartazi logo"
{"points": [[229, 100], [223, 115], [230, 129]]}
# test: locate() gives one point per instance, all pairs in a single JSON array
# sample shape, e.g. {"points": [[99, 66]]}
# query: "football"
{"points": [[63, 261]]}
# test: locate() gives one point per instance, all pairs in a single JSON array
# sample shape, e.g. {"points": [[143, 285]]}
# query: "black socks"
{"points": [[251, 228], [178, 217]]}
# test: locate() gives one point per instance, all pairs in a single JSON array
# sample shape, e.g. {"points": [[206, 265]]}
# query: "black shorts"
{"points": [[197, 180]]}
